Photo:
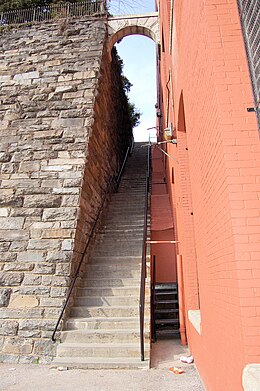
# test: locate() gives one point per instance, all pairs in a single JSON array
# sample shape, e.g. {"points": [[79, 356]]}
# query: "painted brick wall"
{"points": [[210, 72]]}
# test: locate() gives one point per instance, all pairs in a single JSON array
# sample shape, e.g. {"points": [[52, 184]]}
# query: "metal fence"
{"points": [[250, 20], [52, 12]]}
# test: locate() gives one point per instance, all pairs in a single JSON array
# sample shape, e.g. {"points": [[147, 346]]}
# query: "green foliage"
{"points": [[133, 111]]}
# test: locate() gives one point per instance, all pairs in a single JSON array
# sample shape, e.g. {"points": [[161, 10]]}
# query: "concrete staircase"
{"points": [[103, 328]]}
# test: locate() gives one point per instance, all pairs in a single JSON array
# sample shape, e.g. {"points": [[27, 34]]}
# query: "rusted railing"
{"points": [[53, 12]]}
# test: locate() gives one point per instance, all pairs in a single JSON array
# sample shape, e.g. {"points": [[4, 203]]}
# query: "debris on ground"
{"points": [[187, 360], [176, 371]]}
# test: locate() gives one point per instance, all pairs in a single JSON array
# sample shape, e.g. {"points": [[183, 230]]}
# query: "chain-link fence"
{"points": [[249, 11]]}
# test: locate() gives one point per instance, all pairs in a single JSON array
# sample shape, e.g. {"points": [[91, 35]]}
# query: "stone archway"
{"points": [[122, 26]]}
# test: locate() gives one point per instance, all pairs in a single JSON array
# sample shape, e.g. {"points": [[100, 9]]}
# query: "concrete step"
{"points": [[109, 282], [103, 336], [104, 291], [105, 323], [100, 350], [95, 301], [122, 250], [101, 311], [101, 363], [107, 272], [119, 235], [111, 268], [115, 260]]}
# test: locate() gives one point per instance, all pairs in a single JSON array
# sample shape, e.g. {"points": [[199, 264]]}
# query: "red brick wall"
{"points": [[216, 180]]}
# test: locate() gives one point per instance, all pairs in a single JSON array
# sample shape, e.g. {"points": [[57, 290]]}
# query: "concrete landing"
{"points": [[165, 353]]}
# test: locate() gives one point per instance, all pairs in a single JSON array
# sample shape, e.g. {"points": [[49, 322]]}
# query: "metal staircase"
{"points": [[165, 310]]}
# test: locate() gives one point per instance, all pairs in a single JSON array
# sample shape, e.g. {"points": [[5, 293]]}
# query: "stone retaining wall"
{"points": [[63, 131]]}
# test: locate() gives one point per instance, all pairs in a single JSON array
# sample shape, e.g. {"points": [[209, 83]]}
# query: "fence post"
{"points": [[34, 14], [2, 17], [68, 10]]}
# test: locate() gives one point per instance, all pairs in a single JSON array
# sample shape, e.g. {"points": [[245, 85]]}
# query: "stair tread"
{"points": [[103, 331], [166, 321], [108, 319], [165, 310], [102, 344]]}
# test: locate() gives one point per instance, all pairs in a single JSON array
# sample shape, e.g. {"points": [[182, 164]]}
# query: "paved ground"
{"points": [[165, 355]]}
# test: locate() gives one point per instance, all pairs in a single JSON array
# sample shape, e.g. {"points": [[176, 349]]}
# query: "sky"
{"points": [[138, 54]]}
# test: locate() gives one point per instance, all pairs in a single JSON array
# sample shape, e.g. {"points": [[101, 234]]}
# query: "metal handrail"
{"points": [[128, 153], [144, 252], [153, 276], [113, 180]]}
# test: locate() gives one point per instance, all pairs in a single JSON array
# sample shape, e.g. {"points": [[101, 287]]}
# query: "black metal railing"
{"points": [[53, 12], [112, 186], [153, 280], [249, 11], [144, 253]]}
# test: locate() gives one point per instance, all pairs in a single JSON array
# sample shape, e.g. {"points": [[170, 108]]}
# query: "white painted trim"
{"points": [[251, 377], [195, 319]]}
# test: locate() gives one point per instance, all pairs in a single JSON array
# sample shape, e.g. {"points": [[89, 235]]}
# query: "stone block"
{"points": [[44, 244], [48, 134], [11, 222], [62, 256], [4, 212], [61, 281], [19, 346], [59, 291], [24, 313], [6, 235], [4, 246], [18, 246], [21, 301], [52, 302], [45, 268], [44, 348], [31, 279], [30, 256], [38, 201], [55, 214], [58, 233], [5, 294], [67, 244], [11, 200], [35, 290], [47, 280], [26, 212], [11, 279], [63, 269], [8, 327], [5, 157], [18, 266], [21, 77]]}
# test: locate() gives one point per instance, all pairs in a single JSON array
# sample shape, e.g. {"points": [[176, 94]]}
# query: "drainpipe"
{"points": [[181, 301]]}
